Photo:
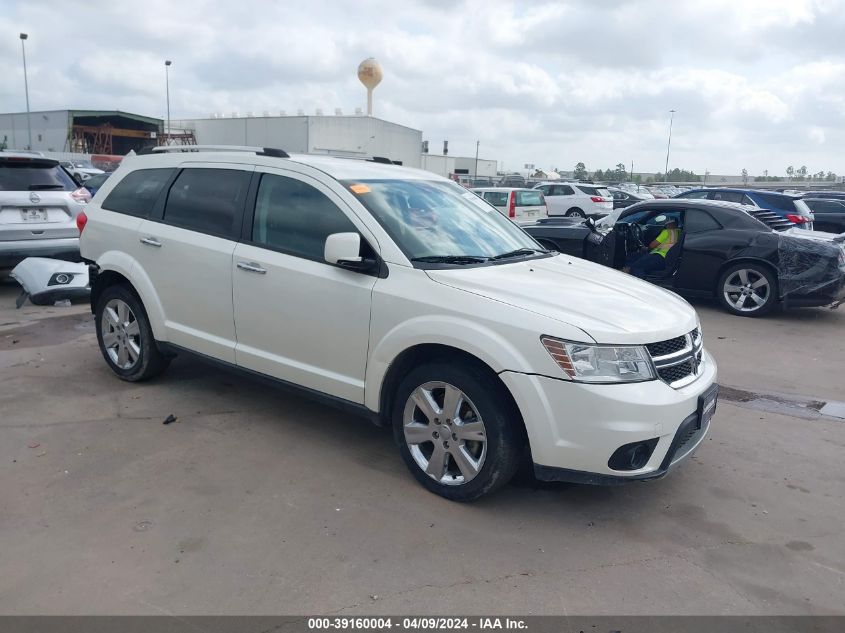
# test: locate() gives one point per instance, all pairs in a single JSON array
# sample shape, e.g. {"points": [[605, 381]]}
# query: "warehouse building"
{"points": [[352, 135], [79, 131]]}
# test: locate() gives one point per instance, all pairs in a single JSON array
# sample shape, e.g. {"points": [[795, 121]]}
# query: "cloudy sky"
{"points": [[757, 84]]}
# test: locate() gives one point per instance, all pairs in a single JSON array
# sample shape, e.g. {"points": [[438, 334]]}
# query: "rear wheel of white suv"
{"points": [[458, 434], [575, 212], [125, 337]]}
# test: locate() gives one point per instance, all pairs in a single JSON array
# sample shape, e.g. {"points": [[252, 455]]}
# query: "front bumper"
{"points": [[13, 252], [574, 428]]}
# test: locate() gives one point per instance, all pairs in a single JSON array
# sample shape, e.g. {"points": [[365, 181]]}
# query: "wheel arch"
{"points": [[119, 268], [423, 353], [747, 260]]}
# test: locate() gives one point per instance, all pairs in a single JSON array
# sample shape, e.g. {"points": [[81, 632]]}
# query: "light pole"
{"points": [[167, 63], [668, 145], [26, 88], [477, 143]]}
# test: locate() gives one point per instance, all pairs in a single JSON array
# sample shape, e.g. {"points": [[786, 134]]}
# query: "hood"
{"points": [[610, 306]]}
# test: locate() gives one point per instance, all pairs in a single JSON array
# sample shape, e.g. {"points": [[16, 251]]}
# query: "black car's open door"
{"points": [[601, 247]]}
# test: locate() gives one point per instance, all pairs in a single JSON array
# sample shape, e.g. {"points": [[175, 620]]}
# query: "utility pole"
{"points": [[668, 145], [632, 171], [167, 63], [477, 143], [23, 37]]}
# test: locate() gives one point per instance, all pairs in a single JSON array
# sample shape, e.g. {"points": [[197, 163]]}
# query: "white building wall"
{"points": [[486, 167], [49, 130], [438, 164], [342, 135]]}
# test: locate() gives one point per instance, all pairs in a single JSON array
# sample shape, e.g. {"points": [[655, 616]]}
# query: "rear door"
{"points": [[186, 251], [559, 198], [530, 206], [35, 200]]}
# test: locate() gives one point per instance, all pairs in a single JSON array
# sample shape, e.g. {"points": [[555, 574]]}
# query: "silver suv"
{"points": [[39, 204]]}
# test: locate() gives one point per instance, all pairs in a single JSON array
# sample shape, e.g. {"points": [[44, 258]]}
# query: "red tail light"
{"points": [[81, 195], [597, 199], [512, 205], [797, 219], [81, 221]]}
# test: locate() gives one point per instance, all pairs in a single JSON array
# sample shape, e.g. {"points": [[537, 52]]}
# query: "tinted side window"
{"points": [[529, 199], [137, 193], [748, 201], [208, 200], [562, 190], [497, 198], [698, 221], [545, 189], [695, 194], [774, 201], [295, 218], [824, 206], [729, 196]]}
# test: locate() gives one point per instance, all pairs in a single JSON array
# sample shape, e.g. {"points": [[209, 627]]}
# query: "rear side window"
{"points": [[137, 193], [497, 198], [595, 191], [695, 194], [208, 201], [295, 218], [529, 199], [698, 221], [773, 201], [31, 175], [728, 196]]}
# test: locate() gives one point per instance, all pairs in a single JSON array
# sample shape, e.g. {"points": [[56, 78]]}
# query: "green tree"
{"points": [[803, 172], [830, 176], [790, 172], [580, 171], [744, 176], [599, 175]]}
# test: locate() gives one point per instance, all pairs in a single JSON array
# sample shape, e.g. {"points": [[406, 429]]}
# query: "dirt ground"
{"points": [[256, 501]]}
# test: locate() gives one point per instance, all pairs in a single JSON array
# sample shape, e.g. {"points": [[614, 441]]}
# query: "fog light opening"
{"points": [[632, 456]]}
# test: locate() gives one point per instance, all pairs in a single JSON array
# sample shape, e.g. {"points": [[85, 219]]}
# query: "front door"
{"points": [[298, 318]]}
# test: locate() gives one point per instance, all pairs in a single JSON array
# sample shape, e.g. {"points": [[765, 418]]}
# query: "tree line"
{"points": [[619, 173]]}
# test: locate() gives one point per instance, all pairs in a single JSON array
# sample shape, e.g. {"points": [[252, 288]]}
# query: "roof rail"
{"points": [[260, 151], [380, 159]]}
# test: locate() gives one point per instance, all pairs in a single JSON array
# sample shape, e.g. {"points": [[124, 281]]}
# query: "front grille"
{"points": [[664, 348], [678, 361], [676, 372]]}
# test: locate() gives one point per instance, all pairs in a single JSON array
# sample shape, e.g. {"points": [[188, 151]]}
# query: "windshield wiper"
{"points": [[43, 187], [519, 252], [450, 259]]}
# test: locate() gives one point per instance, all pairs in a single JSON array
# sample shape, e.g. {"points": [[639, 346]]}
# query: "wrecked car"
{"points": [[751, 260]]}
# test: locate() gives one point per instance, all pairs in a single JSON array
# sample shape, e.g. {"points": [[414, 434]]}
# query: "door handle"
{"points": [[252, 267], [151, 241]]}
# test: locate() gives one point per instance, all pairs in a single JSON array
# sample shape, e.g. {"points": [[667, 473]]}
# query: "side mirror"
{"points": [[342, 249]]}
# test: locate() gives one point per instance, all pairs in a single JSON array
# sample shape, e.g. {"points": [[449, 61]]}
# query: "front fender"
{"points": [[476, 339]]}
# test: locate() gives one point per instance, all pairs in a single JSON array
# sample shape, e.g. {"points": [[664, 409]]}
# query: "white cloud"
{"points": [[755, 83]]}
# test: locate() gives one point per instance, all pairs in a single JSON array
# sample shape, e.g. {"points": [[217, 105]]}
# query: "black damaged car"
{"points": [[750, 259]]}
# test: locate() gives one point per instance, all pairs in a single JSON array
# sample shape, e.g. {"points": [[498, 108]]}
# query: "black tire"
{"points": [[149, 362], [750, 306], [575, 213], [503, 430]]}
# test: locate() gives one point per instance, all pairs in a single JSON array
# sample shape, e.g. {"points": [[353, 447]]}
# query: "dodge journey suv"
{"points": [[402, 296]]}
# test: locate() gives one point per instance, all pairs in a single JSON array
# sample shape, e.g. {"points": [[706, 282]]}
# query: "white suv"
{"points": [[523, 206], [576, 199], [400, 295]]}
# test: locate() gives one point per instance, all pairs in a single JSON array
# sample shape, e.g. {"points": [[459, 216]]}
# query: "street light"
{"points": [[24, 36], [167, 63], [668, 145], [477, 143]]}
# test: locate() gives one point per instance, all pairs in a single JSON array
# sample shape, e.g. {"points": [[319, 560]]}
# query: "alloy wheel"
{"points": [[444, 433], [121, 334], [747, 290]]}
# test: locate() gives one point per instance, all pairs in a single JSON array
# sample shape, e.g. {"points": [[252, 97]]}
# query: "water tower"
{"points": [[369, 73]]}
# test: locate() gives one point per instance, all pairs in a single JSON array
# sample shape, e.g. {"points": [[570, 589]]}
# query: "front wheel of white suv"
{"points": [[125, 336], [458, 434]]}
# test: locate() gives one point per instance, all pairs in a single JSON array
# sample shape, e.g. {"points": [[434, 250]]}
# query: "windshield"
{"points": [[83, 164], [32, 175], [436, 219]]}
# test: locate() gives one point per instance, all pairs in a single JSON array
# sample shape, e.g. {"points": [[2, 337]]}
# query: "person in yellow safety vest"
{"points": [[655, 259]]}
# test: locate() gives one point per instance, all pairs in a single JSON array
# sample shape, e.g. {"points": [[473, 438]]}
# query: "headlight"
{"points": [[600, 363]]}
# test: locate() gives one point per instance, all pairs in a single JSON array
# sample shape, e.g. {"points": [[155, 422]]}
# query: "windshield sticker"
{"points": [[359, 189]]}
